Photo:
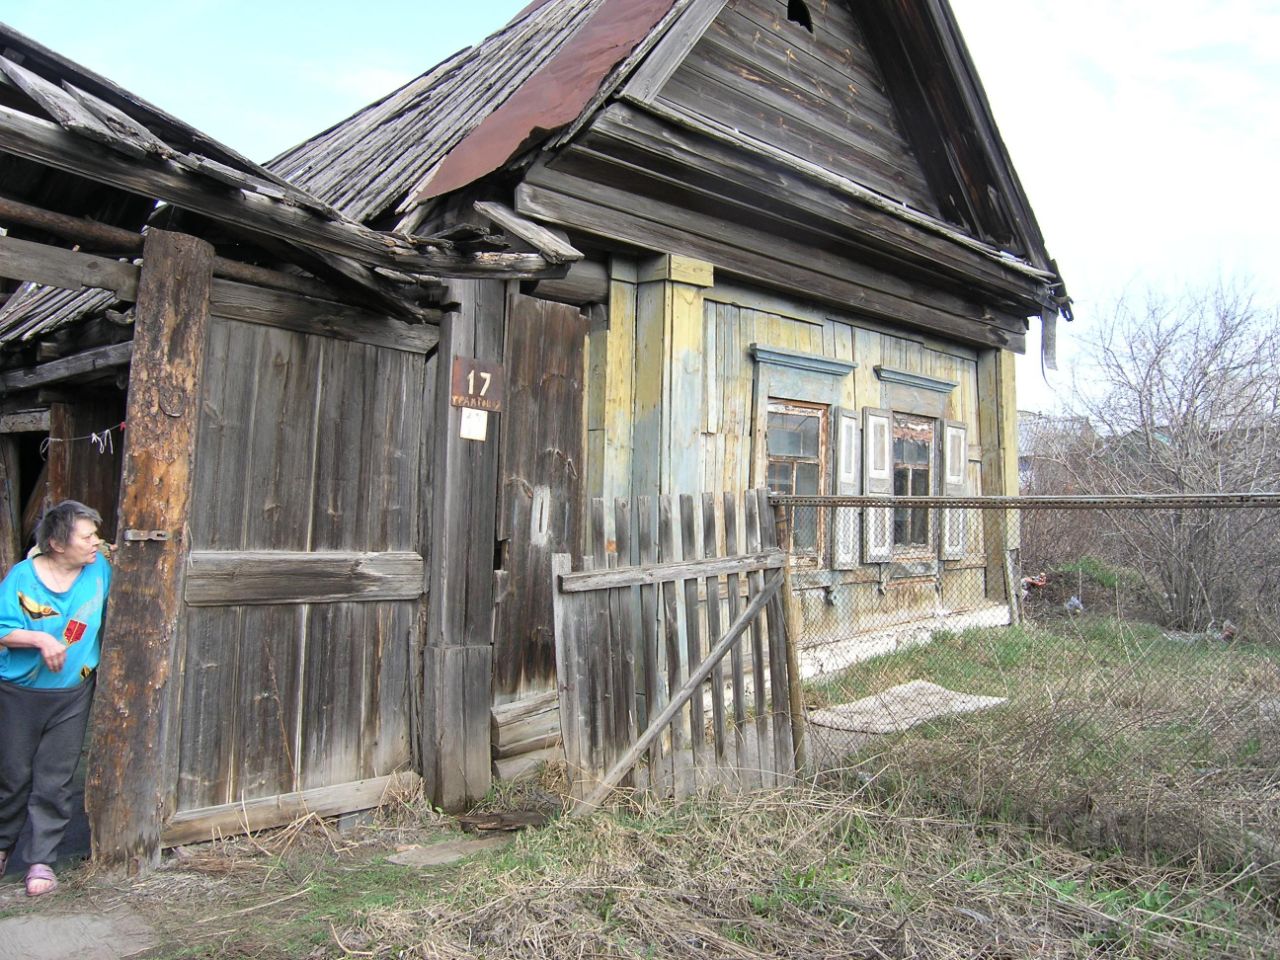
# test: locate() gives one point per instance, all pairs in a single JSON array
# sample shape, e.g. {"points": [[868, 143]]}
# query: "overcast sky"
{"points": [[1144, 133]]}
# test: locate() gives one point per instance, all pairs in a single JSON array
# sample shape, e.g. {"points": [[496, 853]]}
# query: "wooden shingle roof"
{"points": [[367, 164]]}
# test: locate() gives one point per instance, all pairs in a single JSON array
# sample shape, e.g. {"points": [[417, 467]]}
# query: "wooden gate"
{"points": [[675, 670], [303, 585]]}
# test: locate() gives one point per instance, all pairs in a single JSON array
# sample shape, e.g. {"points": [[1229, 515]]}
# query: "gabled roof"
{"points": [[558, 63]]}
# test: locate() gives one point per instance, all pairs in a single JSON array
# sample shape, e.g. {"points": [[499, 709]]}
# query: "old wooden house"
{"points": [[755, 242], [808, 265]]}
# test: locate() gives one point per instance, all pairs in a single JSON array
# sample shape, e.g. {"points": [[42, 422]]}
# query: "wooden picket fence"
{"points": [[681, 610]]}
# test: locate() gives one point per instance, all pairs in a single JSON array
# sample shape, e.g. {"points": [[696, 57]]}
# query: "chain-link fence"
{"points": [[1109, 669]]}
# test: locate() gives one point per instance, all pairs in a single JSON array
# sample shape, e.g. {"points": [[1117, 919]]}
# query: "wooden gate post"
{"points": [[458, 651], [131, 743]]}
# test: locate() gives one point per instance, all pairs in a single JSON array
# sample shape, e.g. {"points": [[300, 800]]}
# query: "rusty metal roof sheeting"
{"points": [[553, 98], [365, 165]]}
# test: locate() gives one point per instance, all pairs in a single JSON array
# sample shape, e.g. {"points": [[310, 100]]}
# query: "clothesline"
{"points": [[102, 439]]}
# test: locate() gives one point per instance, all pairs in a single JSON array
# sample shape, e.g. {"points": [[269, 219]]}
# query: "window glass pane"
{"points": [[792, 434], [804, 531], [808, 429], [900, 520], [780, 477], [912, 439], [919, 526], [807, 479], [920, 482], [901, 481], [782, 439]]}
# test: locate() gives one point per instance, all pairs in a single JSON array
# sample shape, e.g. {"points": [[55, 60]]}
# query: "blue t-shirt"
{"points": [[73, 616]]}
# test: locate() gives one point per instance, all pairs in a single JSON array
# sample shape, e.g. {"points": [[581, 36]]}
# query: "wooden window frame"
{"points": [[785, 405], [928, 549]]}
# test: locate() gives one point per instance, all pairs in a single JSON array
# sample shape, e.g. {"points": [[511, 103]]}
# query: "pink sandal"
{"points": [[38, 872]]}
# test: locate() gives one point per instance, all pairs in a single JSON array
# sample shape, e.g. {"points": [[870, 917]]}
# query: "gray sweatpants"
{"points": [[41, 735]]}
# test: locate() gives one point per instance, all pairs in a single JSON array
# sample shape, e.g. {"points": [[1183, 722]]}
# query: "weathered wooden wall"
{"points": [[78, 469], [541, 479], [819, 96], [698, 414], [303, 595]]}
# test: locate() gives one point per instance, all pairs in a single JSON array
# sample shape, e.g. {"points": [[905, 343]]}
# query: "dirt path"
{"points": [[117, 934]]}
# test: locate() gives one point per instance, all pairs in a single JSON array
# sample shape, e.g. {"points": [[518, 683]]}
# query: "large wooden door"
{"points": [[302, 592], [540, 500]]}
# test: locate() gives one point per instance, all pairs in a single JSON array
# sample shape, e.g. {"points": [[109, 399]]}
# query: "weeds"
{"points": [[1115, 736]]}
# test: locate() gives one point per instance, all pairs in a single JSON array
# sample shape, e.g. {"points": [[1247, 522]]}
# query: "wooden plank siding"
{"points": [[304, 586], [819, 96], [728, 416], [542, 473]]}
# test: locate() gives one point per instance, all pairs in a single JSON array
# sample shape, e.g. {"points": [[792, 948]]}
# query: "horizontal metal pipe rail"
{"points": [[1197, 501]]}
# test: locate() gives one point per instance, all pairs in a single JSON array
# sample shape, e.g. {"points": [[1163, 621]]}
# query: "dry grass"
{"points": [[1123, 805], [1115, 737], [812, 873]]}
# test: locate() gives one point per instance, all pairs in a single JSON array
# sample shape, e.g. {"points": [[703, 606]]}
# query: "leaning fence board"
{"points": [[752, 517], [587, 580], [640, 651], [213, 823], [693, 635], [710, 550]]}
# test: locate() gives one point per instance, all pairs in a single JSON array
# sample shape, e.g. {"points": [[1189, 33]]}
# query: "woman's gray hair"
{"points": [[59, 522]]}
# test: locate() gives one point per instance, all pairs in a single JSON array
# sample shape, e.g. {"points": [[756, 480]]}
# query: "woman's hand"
{"points": [[53, 651]]}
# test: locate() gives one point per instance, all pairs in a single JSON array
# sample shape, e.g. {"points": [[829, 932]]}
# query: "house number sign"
{"points": [[477, 385]]}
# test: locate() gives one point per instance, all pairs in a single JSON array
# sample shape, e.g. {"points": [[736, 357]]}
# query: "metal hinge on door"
{"points": [[132, 536]]}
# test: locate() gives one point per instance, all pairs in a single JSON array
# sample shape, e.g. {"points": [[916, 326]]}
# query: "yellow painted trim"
{"points": [[677, 269]]}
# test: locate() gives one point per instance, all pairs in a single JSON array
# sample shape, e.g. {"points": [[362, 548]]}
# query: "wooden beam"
{"points": [[68, 368], [55, 267], [586, 282], [10, 504], [665, 58], [48, 144], [229, 819], [729, 168], [271, 308], [662, 572], [224, 578], [458, 654], [77, 229], [125, 787], [553, 248], [65, 108], [752, 256], [84, 231], [25, 421]]}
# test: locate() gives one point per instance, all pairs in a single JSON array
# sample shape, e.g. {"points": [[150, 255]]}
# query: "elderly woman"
{"points": [[51, 609]]}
